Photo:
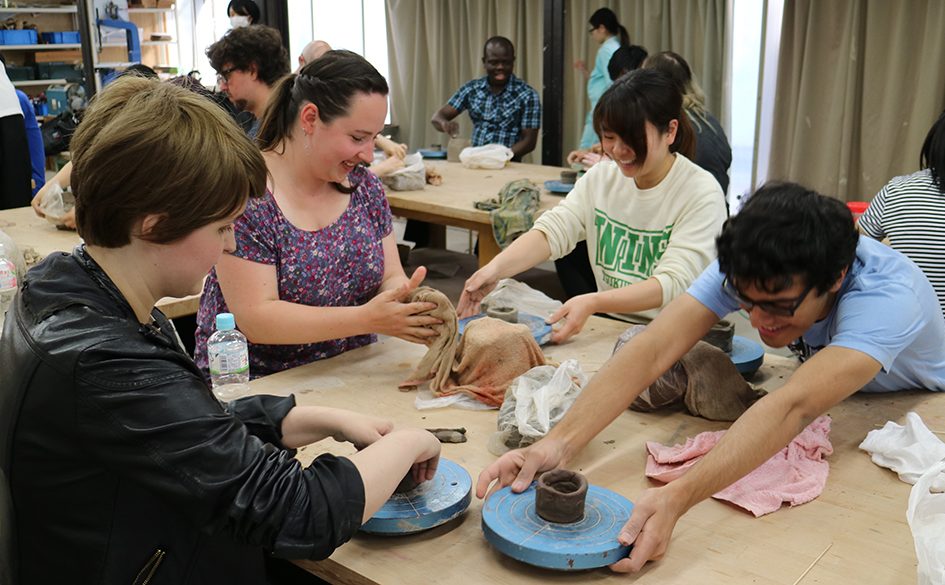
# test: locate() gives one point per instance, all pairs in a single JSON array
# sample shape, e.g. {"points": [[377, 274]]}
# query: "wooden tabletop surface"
{"points": [[27, 229], [453, 202], [455, 199], [860, 516]]}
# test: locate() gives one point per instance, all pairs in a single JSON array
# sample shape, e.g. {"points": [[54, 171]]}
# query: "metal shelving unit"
{"points": [[44, 15]]}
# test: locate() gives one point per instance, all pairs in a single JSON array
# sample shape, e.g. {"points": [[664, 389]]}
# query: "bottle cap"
{"points": [[225, 322]]}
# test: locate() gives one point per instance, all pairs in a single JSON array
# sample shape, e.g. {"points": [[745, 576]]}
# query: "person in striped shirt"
{"points": [[910, 211]]}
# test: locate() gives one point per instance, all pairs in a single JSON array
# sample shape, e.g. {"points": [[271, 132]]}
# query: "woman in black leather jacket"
{"points": [[123, 466]]}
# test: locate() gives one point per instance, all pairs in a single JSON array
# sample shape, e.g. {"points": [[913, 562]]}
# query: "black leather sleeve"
{"points": [[149, 417], [263, 415]]}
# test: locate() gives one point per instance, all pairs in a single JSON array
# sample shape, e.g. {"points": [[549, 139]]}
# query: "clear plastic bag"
{"points": [[926, 516], [534, 403], [668, 390], [512, 293], [487, 156], [410, 178], [56, 203]]}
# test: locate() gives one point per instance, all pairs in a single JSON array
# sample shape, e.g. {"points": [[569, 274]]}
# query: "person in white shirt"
{"points": [[650, 216], [15, 189]]}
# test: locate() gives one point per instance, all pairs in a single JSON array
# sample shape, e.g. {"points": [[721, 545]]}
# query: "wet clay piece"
{"points": [[721, 335], [560, 496], [507, 314], [568, 177]]}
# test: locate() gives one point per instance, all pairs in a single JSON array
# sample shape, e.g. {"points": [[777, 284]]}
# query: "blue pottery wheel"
{"points": [[746, 355], [430, 504], [512, 526]]}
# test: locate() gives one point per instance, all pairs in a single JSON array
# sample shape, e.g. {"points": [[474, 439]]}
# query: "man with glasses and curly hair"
{"points": [[248, 61], [863, 316]]}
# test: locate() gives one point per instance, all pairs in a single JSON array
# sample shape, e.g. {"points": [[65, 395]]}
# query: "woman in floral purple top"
{"points": [[316, 270]]}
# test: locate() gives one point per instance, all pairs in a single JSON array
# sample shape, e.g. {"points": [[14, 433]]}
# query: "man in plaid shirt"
{"points": [[503, 108]]}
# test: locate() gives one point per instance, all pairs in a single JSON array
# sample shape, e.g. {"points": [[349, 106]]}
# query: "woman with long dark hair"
{"points": [[649, 215]]}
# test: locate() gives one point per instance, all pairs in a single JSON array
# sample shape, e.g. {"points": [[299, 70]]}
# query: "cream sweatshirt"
{"points": [[666, 232]]}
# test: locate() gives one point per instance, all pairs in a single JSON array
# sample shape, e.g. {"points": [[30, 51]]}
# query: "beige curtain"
{"points": [[435, 46], [859, 83], [693, 28]]}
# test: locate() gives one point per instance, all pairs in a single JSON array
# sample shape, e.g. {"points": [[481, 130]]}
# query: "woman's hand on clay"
{"points": [[388, 313], [519, 467], [428, 455], [387, 166], [575, 156], [575, 313], [477, 286], [649, 528], [37, 202], [590, 159], [397, 151], [391, 149], [361, 430]]}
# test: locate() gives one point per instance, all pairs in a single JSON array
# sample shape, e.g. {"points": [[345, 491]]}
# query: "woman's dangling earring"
{"points": [[306, 143]]}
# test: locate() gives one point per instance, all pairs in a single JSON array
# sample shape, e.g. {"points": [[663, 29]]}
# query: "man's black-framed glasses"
{"points": [[781, 307], [223, 76]]}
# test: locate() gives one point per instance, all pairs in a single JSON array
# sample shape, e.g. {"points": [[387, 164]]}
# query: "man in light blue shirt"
{"points": [[862, 317], [883, 309]]}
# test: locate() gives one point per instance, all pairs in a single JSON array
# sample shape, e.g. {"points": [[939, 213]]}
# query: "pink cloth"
{"points": [[795, 475]]}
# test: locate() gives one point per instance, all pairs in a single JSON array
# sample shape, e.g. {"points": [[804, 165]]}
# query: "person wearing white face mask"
{"points": [[242, 13]]}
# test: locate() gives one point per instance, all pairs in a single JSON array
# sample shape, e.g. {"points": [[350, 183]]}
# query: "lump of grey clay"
{"points": [[507, 314]]}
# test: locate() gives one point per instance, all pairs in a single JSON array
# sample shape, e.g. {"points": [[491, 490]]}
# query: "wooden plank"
{"points": [[58, 56]]}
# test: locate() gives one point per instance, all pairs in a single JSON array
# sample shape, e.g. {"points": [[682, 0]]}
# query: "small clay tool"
{"points": [[450, 435]]}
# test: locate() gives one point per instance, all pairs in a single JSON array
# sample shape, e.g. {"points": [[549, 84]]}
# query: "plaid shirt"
{"points": [[498, 118]]}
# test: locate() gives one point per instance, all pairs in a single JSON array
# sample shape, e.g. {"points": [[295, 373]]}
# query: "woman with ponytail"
{"points": [[316, 270], [649, 215], [606, 31]]}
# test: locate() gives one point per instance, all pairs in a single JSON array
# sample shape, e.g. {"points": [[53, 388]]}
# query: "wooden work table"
{"points": [[453, 202], [29, 230], [860, 516]]}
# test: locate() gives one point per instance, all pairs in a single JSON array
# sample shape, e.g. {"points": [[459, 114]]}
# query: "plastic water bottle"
{"points": [[229, 359], [8, 287], [12, 271]]}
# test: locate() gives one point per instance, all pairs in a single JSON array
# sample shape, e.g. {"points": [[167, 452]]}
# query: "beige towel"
{"points": [[437, 364], [491, 354], [483, 363]]}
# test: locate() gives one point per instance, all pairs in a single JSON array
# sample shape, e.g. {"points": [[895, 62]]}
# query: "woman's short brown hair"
{"points": [[150, 148]]}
